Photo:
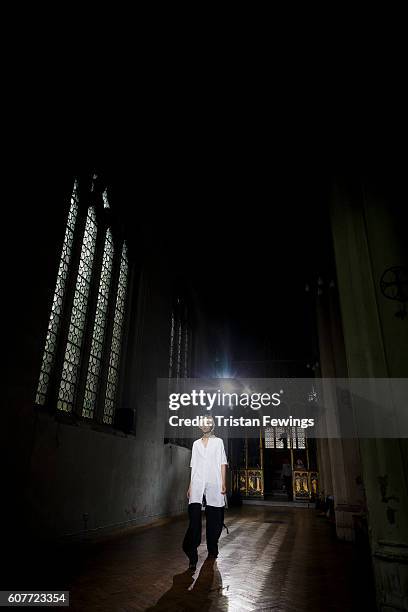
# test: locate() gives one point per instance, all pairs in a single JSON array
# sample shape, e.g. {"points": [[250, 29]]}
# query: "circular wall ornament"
{"points": [[394, 286]]}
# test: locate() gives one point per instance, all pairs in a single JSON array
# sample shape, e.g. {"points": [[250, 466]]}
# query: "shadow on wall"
{"points": [[175, 479]]}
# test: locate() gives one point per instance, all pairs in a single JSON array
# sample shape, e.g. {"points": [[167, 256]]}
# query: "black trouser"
{"points": [[214, 523]]}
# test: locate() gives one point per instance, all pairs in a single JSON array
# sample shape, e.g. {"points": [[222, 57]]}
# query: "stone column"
{"points": [[366, 242], [343, 458], [324, 465]]}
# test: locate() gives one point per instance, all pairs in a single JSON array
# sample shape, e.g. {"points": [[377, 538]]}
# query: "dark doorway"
{"points": [[274, 458]]}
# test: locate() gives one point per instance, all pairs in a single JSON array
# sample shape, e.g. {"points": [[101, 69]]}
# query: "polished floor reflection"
{"points": [[278, 559]]}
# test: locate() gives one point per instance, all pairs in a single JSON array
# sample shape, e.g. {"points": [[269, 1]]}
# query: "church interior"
{"points": [[131, 271]]}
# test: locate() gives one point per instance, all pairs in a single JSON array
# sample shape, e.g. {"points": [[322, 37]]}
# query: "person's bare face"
{"points": [[206, 424]]}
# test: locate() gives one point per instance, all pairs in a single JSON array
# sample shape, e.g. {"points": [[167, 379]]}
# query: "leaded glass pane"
{"points": [[95, 359], [58, 300], [70, 368], [105, 199], [171, 356], [186, 353], [93, 182], [294, 436], [301, 439], [280, 436], [114, 358], [269, 437], [178, 365]]}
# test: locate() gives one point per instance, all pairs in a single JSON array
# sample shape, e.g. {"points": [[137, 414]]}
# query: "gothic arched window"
{"points": [[98, 335], [69, 377], [285, 437], [180, 354], [88, 312], [115, 348], [179, 350], [54, 324]]}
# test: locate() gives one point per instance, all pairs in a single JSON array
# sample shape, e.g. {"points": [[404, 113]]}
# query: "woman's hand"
{"points": [[223, 489], [189, 492]]}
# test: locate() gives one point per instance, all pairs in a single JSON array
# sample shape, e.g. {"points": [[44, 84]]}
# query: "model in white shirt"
{"points": [[208, 477], [208, 471]]}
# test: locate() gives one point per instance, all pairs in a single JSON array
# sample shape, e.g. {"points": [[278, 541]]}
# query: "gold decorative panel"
{"points": [[305, 485], [249, 482]]}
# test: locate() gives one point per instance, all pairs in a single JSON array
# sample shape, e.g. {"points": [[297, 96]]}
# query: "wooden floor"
{"points": [[278, 559]]}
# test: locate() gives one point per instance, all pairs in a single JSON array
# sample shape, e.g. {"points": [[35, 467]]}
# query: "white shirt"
{"points": [[206, 478]]}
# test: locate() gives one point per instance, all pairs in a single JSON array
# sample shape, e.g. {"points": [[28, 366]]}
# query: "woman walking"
{"points": [[208, 478]]}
